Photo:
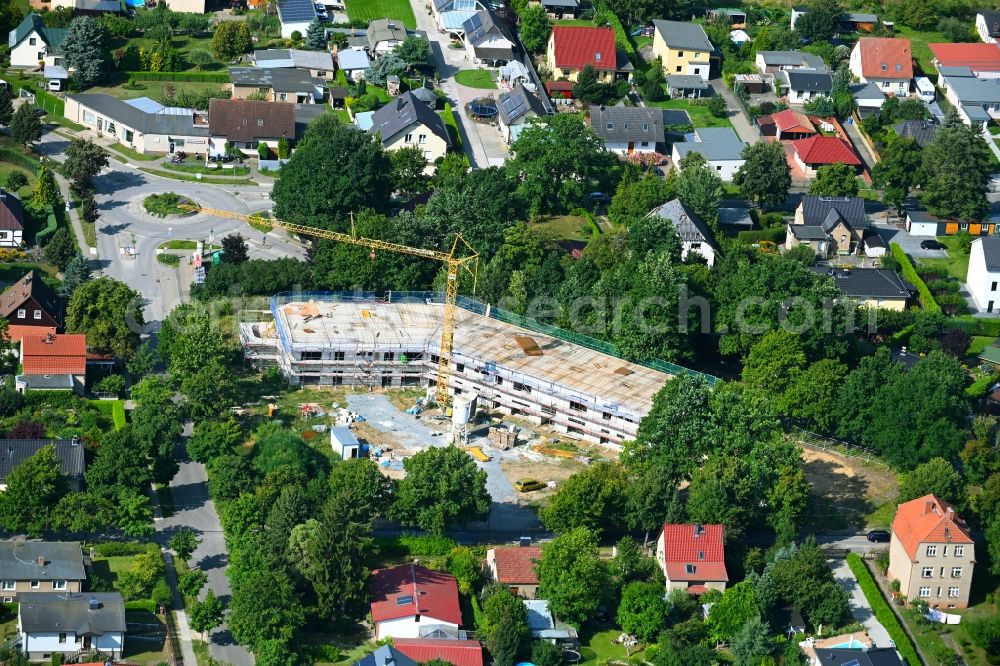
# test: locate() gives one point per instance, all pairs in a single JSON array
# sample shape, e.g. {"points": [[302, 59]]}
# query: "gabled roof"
{"points": [[410, 589], [277, 78], [11, 212], [808, 79], [53, 37], [73, 613], [923, 131], [386, 655], [686, 82], [518, 103], [884, 656], [403, 112], [712, 143], [456, 652], [885, 58], [991, 252], [928, 519], [867, 90], [972, 90], [61, 560], [296, 11], [683, 35], [59, 354], [246, 120], [864, 283], [481, 26], [815, 210], [30, 286], [351, 59], [799, 59], [516, 565], [979, 57], [790, 120], [576, 47], [627, 123], [992, 20], [286, 58], [686, 222], [694, 552], [15, 451], [825, 150], [385, 30]]}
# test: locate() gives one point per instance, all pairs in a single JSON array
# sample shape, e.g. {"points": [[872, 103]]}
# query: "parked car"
{"points": [[931, 245], [321, 12], [527, 485], [879, 536]]}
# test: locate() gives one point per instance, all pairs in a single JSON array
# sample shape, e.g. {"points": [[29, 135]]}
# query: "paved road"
{"points": [[860, 607], [737, 117]]}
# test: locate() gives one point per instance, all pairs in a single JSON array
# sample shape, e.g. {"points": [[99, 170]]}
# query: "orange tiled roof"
{"points": [[927, 520], [45, 354], [886, 58], [516, 566]]}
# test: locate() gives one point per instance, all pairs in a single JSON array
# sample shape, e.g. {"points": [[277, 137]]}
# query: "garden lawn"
{"points": [[574, 22], [567, 227], [597, 648], [366, 10], [148, 646], [183, 43], [6, 168], [919, 39], [154, 89], [476, 78], [700, 115], [956, 264], [11, 273]]}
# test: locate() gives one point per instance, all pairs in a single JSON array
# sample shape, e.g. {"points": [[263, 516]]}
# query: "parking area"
{"points": [[911, 244]]}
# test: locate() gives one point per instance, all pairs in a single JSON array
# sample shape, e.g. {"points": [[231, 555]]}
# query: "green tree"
{"points": [[191, 582], [636, 196], [591, 498], [535, 28], [83, 512], [812, 394], [765, 175], [835, 180], [717, 106], [231, 39], [76, 273], [368, 487], [190, 341], [752, 642], [957, 167], [442, 487], [788, 501], [774, 361], [213, 439], [316, 36], [899, 170], [544, 653], [504, 626], [200, 58], [588, 88], [414, 51], [408, 166], [25, 127], [699, 187], [6, 109], [642, 611], [652, 85], [84, 51], [34, 487], [206, 614], [134, 515], [109, 313], [61, 249], [820, 21], [936, 477], [120, 464], [255, 618], [184, 543], [234, 249], [572, 576], [46, 192], [737, 606], [335, 170]]}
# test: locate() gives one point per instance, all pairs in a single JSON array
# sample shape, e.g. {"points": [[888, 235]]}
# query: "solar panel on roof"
{"points": [[404, 601], [296, 10]]}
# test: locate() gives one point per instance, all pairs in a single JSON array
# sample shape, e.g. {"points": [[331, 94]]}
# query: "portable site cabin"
{"points": [[344, 443]]}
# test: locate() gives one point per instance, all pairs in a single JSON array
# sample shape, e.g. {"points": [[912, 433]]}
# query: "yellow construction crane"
{"points": [[461, 257]]}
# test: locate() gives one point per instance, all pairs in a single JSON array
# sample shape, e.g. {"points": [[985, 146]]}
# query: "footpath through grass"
{"points": [[367, 10]]}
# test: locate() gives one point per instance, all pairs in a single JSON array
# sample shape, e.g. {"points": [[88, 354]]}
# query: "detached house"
{"points": [[983, 275], [514, 566], [720, 146], [816, 151], [628, 129], [30, 305], [871, 287], [410, 601], [11, 220], [516, 108], [52, 361], [384, 35], [570, 49], [40, 566], [931, 553], [316, 63], [982, 59], [696, 236], [58, 623], [683, 48], [32, 43], [988, 26], [248, 124], [295, 86], [692, 558], [451, 15], [486, 40], [829, 225], [884, 61], [770, 62], [406, 122], [72, 465], [805, 84]]}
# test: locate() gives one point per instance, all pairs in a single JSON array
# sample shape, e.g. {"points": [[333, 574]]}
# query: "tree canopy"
{"points": [[442, 487]]}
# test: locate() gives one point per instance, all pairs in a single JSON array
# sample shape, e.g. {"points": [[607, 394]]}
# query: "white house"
{"points": [[62, 623], [384, 35], [695, 234], [410, 601], [805, 84], [31, 43], [295, 16], [976, 100], [885, 61], [353, 62], [344, 443], [486, 41], [988, 26], [628, 129], [720, 146], [983, 277]]}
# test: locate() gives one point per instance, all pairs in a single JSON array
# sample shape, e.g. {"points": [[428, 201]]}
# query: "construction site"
{"points": [[362, 340]]}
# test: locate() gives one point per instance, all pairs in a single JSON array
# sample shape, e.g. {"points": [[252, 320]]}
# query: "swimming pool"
{"points": [[852, 644]]}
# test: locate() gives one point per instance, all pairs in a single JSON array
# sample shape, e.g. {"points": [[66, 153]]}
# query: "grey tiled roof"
{"points": [[15, 451], [385, 30], [683, 35], [404, 111], [866, 91], [134, 118], [868, 282], [385, 655], [807, 79], [974, 90], [872, 657], [686, 82], [63, 560], [58, 612], [816, 209], [627, 123], [921, 130], [797, 58], [688, 225], [278, 79], [991, 252], [713, 143], [992, 19]]}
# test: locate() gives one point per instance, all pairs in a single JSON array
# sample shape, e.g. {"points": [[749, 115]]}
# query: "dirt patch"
{"points": [[846, 491]]}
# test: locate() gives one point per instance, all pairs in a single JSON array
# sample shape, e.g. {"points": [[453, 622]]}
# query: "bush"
{"points": [[16, 180], [773, 235], [167, 203], [881, 609], [910, 273], [179, 77], [161, 595], [717, 106], [119, 548], [980, 387], [425, 545], [111, 384], [296, 36], [169, 259]]}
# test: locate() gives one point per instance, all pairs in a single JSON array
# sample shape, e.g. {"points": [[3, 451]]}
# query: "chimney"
{"points": [[928, 507], [524, 541], [3, 194], [698, 530], [75, 441], [40, 560], [94, 604]]}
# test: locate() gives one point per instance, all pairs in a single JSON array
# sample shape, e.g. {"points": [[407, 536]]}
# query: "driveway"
{"points": [[860, 607], [909, 243], [741, 123]]}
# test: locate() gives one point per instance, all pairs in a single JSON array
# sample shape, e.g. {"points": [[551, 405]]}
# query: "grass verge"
{"points": [[195, 179], [169, 259], [128, 152], [167, 203]]}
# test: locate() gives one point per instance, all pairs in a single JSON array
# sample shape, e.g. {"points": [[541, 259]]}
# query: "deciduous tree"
{"points": [[936, 477], [535, 28], [25, 127], [207, 614], [504, 628], [6, 107], [442, 487], [699, 187], [110, 313], [34, 487], [835, 180], [593, 498], [61, 249], [737, 606], [231, 39], [765, 176], [642, 610], [898, 171], [234, 249], [184, 543], [572, 576]]}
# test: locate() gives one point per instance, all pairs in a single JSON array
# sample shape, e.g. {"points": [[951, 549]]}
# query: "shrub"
{"points": [[26, 430], [16, 180], [717, 106], [111, 384], [426, 545], [168, 259], [881, 609], [773, 235], [910, 273], [167, 203], [296, 36], [119, 548]]}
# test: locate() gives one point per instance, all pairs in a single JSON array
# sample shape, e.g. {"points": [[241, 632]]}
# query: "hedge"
{"points": [[621, 37], [910, 273], [147, 605], [880, 607], [18, 158], [189, 77], [976, 326], [774, 235], [424, 545], [114, 409], [979, 388], [50, 228]]}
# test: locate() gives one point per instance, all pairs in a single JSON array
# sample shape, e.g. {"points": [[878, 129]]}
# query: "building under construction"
{"points": [[359, 340]]}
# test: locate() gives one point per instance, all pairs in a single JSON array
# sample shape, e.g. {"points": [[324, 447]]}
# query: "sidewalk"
{"points": [[183, 630], [74, 219]]}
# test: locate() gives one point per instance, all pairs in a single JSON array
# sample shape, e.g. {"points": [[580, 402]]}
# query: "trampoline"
{"points": [[484, 108]]}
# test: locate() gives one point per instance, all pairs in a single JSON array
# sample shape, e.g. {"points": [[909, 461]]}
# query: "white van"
{"points": [[925, 89]]}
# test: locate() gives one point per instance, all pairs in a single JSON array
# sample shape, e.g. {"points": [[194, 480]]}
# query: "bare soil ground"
{"points": [[847, 492]]}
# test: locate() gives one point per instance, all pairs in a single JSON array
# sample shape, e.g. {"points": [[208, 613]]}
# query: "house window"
{"points": [[956, 572], [576, 406], [597, 57], [690, 569], [58, 585], [993, 287], [645, 144], [645, 127], [963, 226], [248, 145], [960, 550], [422, 138], [606, 416], [37, 314], [899, 68], [697, 54], [338, 356], [8, 600], [283, 97], [624, 125], [8, 585], [924, 592], [610, 125], [884, 67], [886, 84], [680, 54], [21, 314], [927, 572], [565, 72], [35, 584], [32, 41], [260, 122], [953, 592], [62, 637], [718, 168], [408, 138], [678, 69], [931, 551]]}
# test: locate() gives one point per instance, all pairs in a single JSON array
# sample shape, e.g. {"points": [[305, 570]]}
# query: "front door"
{"points": [[86, 642], [172, 146], [631, 147], [989, 306]]}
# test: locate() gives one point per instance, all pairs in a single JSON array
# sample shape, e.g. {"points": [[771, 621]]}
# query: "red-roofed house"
{"points": [[931, 553], [515, 567], [410, 601], [885, 61], [982, 59], [692, 557], [816, 151], [572, 48], [788, 125], [53, 362], [459, 653]]}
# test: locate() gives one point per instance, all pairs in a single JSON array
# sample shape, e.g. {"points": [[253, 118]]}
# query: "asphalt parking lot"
{"points": [[909, 243]]}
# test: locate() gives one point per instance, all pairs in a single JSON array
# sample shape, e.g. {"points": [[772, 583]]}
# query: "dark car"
{"points": [[931, 245], [879, 536]]}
